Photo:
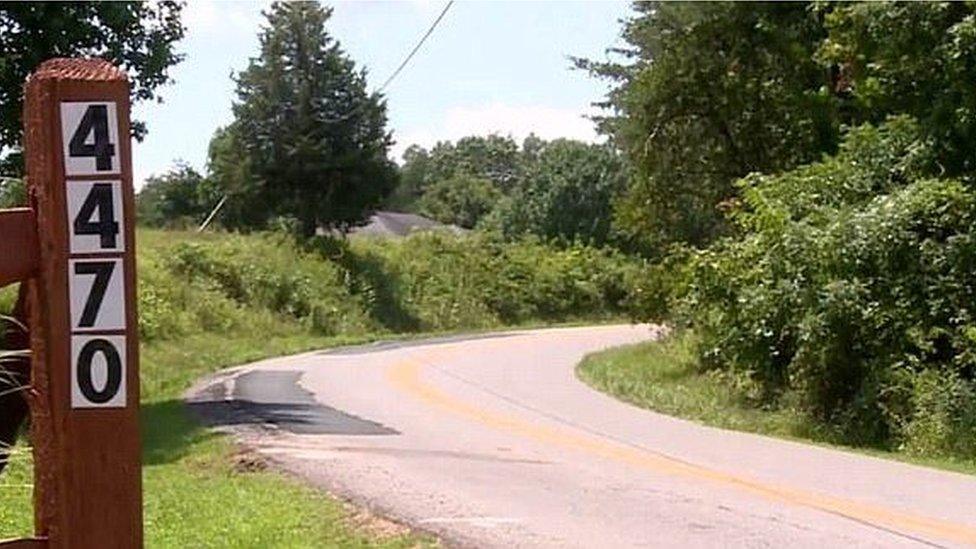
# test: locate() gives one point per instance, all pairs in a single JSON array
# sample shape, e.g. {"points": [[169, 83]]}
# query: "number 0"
{"points": [[113, 364]]}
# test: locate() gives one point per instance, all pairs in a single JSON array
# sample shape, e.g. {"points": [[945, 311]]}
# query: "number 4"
{"points": [[95, 216], [90, 138], [100, 199], [95, 124]]}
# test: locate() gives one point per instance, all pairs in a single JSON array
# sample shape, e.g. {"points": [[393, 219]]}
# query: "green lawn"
{"points": [[194, 494], [664, 376]]}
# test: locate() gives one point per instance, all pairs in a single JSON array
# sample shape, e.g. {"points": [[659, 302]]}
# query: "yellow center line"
{"points": [[405, 376]]}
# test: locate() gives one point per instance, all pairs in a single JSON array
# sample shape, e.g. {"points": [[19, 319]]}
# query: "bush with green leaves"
{"points": [[269, 273], [445, 281], [567, 193], [461, 200], [429, 281], [849, 293]]}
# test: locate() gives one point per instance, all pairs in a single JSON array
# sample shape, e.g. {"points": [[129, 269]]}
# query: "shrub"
{"points": [[446, 281], [849, 292], [267, 272], [429, 281]]}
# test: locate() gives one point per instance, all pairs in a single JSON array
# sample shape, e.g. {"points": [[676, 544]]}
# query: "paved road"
{"points": [[493, 442]]}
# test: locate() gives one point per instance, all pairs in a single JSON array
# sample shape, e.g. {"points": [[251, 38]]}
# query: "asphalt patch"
{"points": [[276, 398]]}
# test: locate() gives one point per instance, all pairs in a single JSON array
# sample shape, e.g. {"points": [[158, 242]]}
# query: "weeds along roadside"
{"points": [[216, 300]]}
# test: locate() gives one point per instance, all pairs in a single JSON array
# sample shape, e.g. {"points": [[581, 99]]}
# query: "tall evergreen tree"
{"points": [[314, 139]]}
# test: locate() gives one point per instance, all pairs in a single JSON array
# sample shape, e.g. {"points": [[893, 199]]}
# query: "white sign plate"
{"points": [[95, 216], [98, 371], [90, 138], [97, 290]]}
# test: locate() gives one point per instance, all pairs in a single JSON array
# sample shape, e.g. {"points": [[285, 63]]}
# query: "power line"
{"points": [[400, 68], [417, 47]]}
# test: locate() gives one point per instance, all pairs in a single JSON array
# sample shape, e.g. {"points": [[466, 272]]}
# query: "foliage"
{"points": [[910, 58], [314, 140], [712, 92], [460, 200], [566, 193], [413, 181], [849, 293], [426, 282], [138, 36], [178, 198], [265, 273], [561, 190], [665, 376], [13, 192], [229, 174], [491, 158], [474, 281]]}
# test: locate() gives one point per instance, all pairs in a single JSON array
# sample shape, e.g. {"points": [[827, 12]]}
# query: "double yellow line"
{"points": [[405, 376]]}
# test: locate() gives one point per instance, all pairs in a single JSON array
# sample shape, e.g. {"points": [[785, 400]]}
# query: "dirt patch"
{"points": [[375, 526], [249, 461]]}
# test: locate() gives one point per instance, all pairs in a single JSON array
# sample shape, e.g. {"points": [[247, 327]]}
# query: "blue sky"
{"points": [[489, 67]]}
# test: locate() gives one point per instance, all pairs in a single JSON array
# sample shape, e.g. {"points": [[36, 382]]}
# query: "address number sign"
{"points": [[96, 247]]}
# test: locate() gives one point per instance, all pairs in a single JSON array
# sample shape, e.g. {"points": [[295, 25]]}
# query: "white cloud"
{"points": [[517, 121], [210, 17]]}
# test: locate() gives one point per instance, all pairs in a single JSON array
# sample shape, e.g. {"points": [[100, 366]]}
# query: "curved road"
{"points": [[491, 441]]}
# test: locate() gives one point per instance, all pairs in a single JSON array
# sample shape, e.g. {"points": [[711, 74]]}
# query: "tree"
{"points": [[493, 158], [711, 92], [567, 192], [315, 140], [414, 179], [138, 36], [177, 197], [911, 58], [460, 200], [229, 175]]}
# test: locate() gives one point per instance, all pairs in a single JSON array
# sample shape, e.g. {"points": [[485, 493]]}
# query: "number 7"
{"points": [[103, 274]]}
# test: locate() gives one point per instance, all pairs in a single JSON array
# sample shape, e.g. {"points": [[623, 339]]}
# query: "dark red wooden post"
{"points": [[84, 333]]}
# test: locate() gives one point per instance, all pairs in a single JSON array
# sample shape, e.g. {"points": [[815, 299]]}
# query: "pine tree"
{"points": [[314, 139]]}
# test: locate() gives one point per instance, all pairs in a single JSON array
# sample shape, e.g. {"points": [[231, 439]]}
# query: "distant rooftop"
{"points": [[396, 224]]}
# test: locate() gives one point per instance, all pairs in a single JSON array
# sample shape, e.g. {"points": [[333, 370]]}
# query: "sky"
{"points": [[489, 67]]}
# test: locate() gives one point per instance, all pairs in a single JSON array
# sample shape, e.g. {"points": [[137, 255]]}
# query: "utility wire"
{"points": [[403, 64], [388, 81], [417, 47]]}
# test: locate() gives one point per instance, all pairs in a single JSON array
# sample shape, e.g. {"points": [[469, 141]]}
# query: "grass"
{"points": [[665, 376], [194, 495], [216, 300]]}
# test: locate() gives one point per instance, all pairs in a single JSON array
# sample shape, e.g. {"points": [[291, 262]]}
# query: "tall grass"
{"points": [[425, 282], [214, 300]]}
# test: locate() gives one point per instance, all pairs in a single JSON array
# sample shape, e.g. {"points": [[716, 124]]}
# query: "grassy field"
{"points": [[217, 300], [665, 376], [196, 494]]}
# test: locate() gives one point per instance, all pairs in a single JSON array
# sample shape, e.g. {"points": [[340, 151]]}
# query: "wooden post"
{"points": [[84, 334]]}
